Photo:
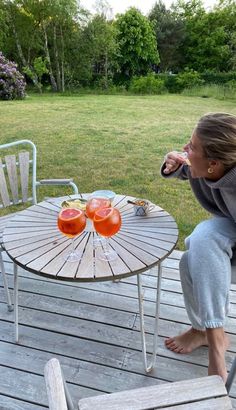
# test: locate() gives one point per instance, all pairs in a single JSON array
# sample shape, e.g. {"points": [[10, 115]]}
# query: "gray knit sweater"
{"points": [[217, 197]]}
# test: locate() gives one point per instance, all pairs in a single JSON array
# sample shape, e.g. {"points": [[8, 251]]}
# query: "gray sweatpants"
{"points": [[205, 272]]}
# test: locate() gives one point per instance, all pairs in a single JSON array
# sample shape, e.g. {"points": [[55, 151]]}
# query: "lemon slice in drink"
{"points": [[75, 203]]}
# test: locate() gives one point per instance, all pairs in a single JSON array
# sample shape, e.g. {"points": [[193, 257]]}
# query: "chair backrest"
{"points": [[17, 174]]}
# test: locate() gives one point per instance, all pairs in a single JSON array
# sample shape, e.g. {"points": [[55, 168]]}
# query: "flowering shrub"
{"points": [[12, 83]]}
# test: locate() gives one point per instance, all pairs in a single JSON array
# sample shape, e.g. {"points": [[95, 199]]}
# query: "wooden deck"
{"points": [[93, 329]]}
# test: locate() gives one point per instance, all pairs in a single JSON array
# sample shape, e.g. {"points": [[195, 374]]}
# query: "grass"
{"points": [[221, 92], [114, 142]]}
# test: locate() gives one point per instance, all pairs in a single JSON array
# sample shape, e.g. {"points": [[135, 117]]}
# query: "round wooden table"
{"points": [[33, 241]]}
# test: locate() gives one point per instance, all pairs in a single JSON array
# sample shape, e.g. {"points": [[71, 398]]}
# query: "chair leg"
{"points": [[16, 302], [231, 376], [4, 277]]}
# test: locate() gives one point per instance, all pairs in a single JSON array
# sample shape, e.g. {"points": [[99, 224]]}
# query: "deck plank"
{"points": [[9, 403], [93, 329]]}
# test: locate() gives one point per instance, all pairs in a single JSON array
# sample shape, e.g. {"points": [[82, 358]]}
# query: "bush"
{"points": [[171, 83], [218, 78], [188, 79], [176, 83], [12, 82], [149, 84], [231, 84]]}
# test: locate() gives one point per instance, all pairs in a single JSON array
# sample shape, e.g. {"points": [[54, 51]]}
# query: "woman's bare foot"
{"points": [[187, 341], [218, 343]]}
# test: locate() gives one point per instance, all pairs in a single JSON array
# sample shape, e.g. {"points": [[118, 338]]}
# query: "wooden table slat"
{"points": [[10, 240], [145, 252]]}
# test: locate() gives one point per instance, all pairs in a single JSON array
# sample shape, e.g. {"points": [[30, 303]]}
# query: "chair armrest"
{"points": [[54, 181], [58, 394], [163, 396], [54, 385], [58, 182]]}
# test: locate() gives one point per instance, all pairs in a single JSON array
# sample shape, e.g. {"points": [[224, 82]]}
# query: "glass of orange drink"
{"points": [[71, 222], [93, 205], [107, 222]]}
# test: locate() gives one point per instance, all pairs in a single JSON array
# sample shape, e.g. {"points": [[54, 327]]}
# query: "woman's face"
{"points": [[199, 163]]}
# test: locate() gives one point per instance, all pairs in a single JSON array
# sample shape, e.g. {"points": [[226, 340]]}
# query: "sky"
{"points": [[120, 6]]}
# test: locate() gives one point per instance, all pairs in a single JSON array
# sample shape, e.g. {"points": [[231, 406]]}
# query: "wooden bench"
{"points": [[195, 394]]}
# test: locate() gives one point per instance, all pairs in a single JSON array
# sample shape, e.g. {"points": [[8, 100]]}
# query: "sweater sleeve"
{"points": [[180, 173]]}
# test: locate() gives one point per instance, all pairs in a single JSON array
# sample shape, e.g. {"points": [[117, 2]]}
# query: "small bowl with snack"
{"points": [[142, 207]]}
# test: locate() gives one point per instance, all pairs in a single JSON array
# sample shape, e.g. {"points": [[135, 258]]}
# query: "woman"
{"points": [[205, 268]]}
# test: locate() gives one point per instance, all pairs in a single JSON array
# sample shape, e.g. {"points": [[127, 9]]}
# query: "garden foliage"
{"points": [[149, 84], [12, 82], [58, 44]]}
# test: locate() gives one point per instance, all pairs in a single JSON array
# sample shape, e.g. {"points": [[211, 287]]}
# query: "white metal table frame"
{"points": [[148, 366]]}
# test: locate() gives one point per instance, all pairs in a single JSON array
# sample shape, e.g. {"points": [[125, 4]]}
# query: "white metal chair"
{"points": [[198, 391], [20, 170]]}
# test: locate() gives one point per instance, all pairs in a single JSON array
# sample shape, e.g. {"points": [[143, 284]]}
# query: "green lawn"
{"points": [[115, 142]]}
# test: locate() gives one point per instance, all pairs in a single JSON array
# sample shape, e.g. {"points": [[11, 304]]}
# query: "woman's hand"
{"points": [[172, 161]]}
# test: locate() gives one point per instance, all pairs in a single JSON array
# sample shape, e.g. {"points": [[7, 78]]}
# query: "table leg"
{"points": [[16, 302], [5, 284], [149, 367]]}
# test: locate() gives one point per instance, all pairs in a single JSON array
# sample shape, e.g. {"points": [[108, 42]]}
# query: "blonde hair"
{"points": [[217, 133]]}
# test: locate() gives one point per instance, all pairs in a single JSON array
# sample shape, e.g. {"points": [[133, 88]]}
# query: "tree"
{"points": [[21, 41], [96, 47], [41, 29], [137, 48], [3, 27], [104, 46], [205, 46], [170, 33], [226, 11], [52, 18], [64, 22]]}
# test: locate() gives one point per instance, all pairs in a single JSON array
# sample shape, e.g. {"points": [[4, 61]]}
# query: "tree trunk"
{"points": [[62, 62], [52, 79], [106, 70], [58, 73]]}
